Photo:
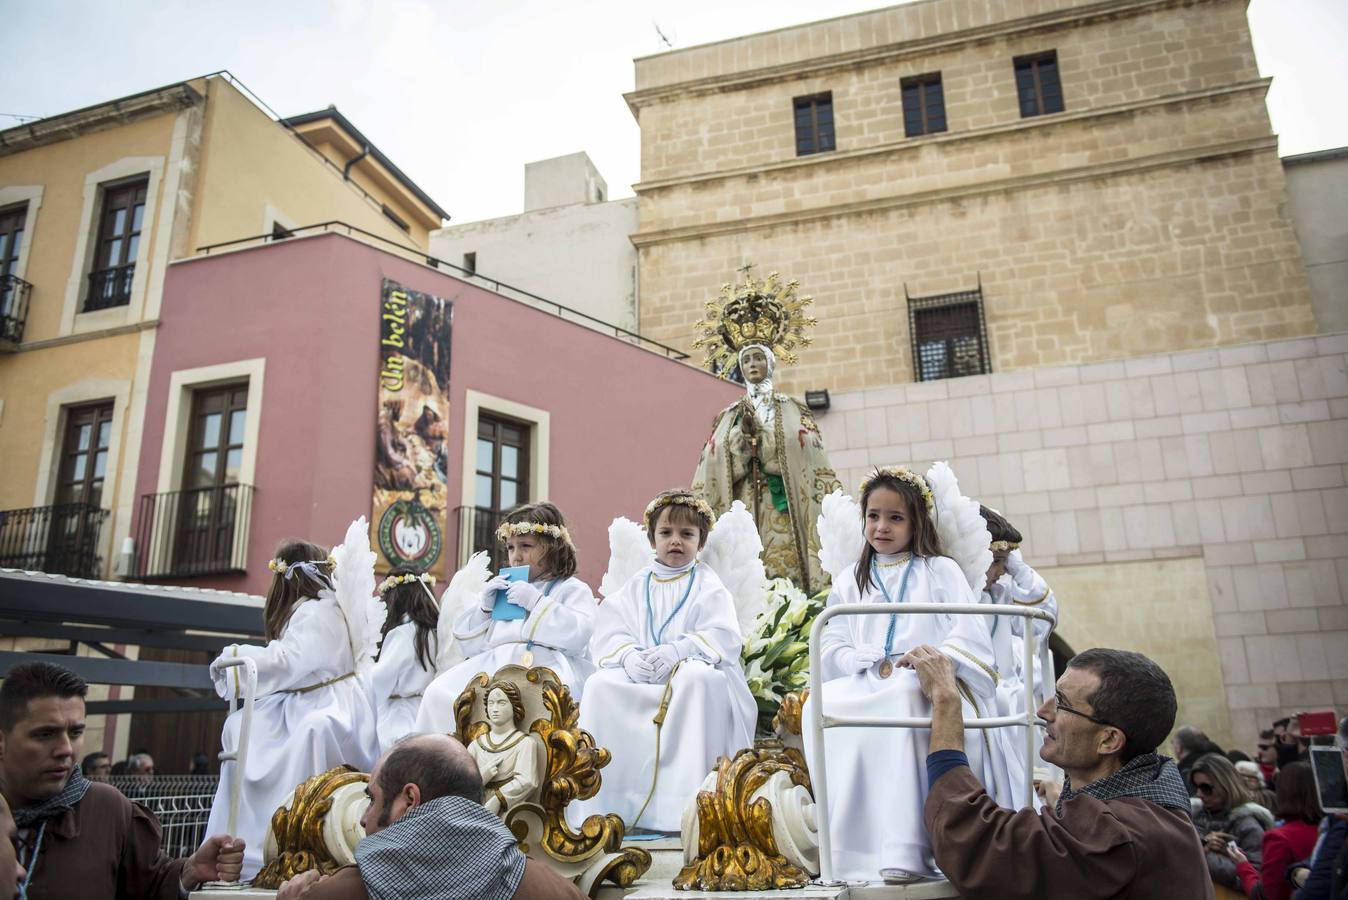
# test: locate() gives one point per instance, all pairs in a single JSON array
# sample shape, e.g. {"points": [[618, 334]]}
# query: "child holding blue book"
{"points": [[546, 619]]}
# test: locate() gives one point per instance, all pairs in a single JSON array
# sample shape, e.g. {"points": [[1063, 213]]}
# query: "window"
{"points": [[501, 479], [949, 338], [13, 290], [207, 508], [84, 454], [814, 124], [923, 104], [470, 263], [1037, 84], [119, 225]]}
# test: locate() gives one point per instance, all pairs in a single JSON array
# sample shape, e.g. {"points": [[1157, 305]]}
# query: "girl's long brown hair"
{"points": [[287, 593], [413, 600], [924, 541], [559, 557]]}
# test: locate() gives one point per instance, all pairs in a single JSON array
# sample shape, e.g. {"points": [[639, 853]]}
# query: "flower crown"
{"points": [[998, 546], [514, 529], [281, 567], [902, 474], [391, 582], [696, 504]]}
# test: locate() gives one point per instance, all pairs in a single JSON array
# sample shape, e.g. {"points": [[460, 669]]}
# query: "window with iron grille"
{"points": [[1037, 84], [949, 337], [119, 225], [923, 104], [814, 123]]}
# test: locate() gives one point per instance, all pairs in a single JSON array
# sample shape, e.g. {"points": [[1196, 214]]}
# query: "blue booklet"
{"points": [[503, 609]]}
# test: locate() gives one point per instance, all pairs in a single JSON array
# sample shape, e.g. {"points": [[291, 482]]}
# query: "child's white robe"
{"points": [[398, 681]]}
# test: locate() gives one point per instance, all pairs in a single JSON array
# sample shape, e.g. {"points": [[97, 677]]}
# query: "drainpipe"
{"points": [[346, 172]]}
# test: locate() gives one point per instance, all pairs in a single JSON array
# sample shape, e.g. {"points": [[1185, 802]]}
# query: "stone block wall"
{"points": [[1236, 457]]}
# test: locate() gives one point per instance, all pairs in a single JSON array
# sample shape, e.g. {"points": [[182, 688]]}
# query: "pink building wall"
{"points": [[624, 422]]}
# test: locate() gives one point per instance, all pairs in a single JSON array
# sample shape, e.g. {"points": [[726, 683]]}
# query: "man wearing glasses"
{"points": [[1121, 827]]}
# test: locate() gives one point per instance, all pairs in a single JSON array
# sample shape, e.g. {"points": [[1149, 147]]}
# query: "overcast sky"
{"points": [[462, 94]]}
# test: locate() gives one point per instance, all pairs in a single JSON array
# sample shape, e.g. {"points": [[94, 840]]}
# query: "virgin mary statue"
{"points": [[765, 449]]}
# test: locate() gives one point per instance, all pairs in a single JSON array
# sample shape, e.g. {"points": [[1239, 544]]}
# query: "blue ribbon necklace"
{"points": [[527, 660], [658, 636], [887, 667]]}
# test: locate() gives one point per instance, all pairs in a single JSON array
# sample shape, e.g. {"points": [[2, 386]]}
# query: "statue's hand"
{"points": [[748, 420], [489, 771]]}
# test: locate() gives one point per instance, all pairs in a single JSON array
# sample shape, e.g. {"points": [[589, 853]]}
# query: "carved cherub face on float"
{"points": [[499, 709]]}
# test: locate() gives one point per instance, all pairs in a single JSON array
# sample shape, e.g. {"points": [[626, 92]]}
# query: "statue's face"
{"points": [[754, 365], [499, 710]]}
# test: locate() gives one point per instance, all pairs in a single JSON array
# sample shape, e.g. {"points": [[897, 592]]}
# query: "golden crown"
{"points": [[754, 312]]}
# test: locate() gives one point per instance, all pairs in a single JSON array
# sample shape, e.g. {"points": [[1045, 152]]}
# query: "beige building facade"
{"points": [[1140, 209]]}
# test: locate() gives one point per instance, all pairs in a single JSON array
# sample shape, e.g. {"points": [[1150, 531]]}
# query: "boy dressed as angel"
{"points": [[669, 696]]}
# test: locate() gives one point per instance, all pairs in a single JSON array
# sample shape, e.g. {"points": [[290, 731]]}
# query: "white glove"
{"points": [[637, 668], [487, 600], [1015, 563], [662, 660], [522, 593], [859, 659]]}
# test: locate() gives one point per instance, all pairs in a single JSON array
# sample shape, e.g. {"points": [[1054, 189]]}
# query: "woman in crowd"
{"points": [[1226, 813], [1299, 809]]}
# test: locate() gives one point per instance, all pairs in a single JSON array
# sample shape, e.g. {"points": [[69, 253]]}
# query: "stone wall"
{"points": [[1235, 457], [1150, 215]]}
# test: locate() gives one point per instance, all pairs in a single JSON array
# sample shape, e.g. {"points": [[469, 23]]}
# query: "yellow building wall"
{"points": [[249, 162], [1160, 609]]}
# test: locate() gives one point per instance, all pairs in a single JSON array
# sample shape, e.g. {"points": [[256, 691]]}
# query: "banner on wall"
{"points": [[411, 496]]}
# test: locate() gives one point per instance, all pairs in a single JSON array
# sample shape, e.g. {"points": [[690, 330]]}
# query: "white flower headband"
{"points": [[998, 546], [697, 504], [310, 567], [391, 582], [902, 474], [515, 529]]}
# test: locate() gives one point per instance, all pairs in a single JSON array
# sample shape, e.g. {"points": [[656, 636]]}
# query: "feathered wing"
{"points": [[963, 533], [462, 590], [353, 584], [734, 552], [841, 537], [629, 552]]}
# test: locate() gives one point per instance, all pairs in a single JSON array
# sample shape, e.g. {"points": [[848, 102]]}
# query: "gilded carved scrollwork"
{"points": [[573, 764], [305, 835], [738, 829]]}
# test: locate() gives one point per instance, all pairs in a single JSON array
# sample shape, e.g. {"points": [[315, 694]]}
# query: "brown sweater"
{"points": [[106, 847], [1123, 849], [540, 882]]}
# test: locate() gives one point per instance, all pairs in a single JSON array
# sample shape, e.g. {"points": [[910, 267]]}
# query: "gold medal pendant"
{"points": [[527, 660], [886, 669]]}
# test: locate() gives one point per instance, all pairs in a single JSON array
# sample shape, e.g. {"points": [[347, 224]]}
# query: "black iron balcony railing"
{"points": [[14, 293], [61, 540], [199, 531], [477, 531], [110, 287]]}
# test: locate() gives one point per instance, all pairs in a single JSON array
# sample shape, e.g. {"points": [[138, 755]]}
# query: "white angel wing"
{"points": [[734, 552], [841, 537], [629, 552], [963, 533], [463, 589], [353, 584]]}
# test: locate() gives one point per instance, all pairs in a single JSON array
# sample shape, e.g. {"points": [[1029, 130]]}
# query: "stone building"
{"points": [[1050, 241], [1317, 192], [1105, 171]]}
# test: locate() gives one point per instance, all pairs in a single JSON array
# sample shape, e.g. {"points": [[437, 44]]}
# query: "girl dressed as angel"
{"points": [[555, 632], [405, 663], [670, 696], [312, 709], [877, 776]]}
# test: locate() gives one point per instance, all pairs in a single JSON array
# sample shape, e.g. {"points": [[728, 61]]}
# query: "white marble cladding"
{"points": [[1238, 455]]}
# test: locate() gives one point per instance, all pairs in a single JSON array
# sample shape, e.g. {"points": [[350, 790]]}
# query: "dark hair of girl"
{"points": [[924, 541], [285, 594], [412, 600], [559, 557]]}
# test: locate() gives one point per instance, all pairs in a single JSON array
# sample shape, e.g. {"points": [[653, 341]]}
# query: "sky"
{"points": [[460, 95]]}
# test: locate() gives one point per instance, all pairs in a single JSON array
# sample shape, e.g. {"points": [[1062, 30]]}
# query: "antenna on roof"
{"points": [[661, 35]]}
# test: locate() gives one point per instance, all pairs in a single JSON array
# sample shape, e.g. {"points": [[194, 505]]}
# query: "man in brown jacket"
{"points": [[427, 835], [1121, 828], [77, 838]]}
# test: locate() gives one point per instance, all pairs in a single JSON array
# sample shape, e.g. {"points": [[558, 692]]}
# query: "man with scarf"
{"points": [[77, 838], [1121, 828], [429, 836]]}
